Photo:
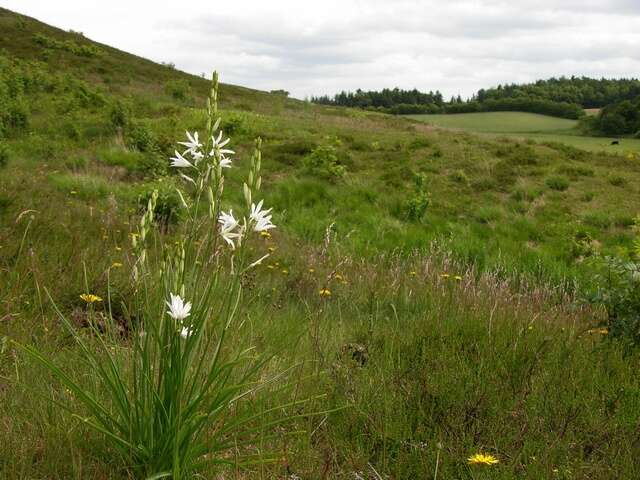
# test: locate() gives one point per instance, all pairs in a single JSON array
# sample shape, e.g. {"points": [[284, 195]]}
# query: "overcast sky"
{"points": [[311, 48]]}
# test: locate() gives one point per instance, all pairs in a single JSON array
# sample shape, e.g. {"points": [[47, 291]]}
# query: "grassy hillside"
{"points": [[541, 128], [454, 263]]}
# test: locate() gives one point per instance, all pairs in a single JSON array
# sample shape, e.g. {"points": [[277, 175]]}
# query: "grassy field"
{"points": [[522, 125], [455, 266], [499, 122]]}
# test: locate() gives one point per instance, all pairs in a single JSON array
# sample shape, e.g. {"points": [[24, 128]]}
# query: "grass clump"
{"points": [[557, 182]]}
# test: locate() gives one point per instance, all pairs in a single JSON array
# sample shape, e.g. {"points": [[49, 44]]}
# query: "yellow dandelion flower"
{"points": [[325, 292], [265, 234], [413, 273], [90, 298], [116, 265], [458, 277], [482, 459], [338, 277]]}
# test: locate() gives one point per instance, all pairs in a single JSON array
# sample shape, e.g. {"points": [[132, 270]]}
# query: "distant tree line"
{"points": [[620, 118], [583, 91], [560, 97], [388, 100]]}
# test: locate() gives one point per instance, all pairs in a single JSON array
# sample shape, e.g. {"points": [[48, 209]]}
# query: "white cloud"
{"points": [[323, 47]]}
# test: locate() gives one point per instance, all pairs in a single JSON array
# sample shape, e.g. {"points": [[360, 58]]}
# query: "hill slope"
{"points": [[451, 260]]}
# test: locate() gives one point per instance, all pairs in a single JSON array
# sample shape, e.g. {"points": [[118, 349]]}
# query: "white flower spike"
{"points": [[178, 309]]}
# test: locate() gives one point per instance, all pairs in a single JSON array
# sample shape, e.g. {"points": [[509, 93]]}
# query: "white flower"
{"points": [[225, 162], [178, 310], [185, 332], [179, 161], [193, 144], [197, 156], [228, 227], [261, 218], [218, 142]]}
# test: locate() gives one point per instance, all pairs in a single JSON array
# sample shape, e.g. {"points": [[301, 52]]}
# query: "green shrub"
{"points": [[588, 196], [617, 181], [178, 89], [459, 176], [119, 115], [558, 183], [4, 155], [616, 286], [236, 124], [416, 206], [141, 138], [323, 162]]}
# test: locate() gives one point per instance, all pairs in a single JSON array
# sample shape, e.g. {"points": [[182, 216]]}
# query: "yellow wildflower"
{"points": [[271, 249], [90, 298], [412, 273], [482, 459], [325, 292], [312, 270], [338, 277], [265, 234], [116, 265], [458, 277]]}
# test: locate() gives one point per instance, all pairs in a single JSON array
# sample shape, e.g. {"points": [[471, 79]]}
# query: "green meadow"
{"points": [[423, 298], [522, 125]]}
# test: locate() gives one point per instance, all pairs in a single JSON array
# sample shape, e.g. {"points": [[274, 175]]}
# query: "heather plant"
{"points": [[169, 399]]}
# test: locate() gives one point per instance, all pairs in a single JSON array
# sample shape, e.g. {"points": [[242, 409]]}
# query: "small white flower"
{"points": [[228, 228], [219, 143], [261, 218], [225, 162], [178, 310], [179, 161], [197, 156], [193, 145], [185, 332]]}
